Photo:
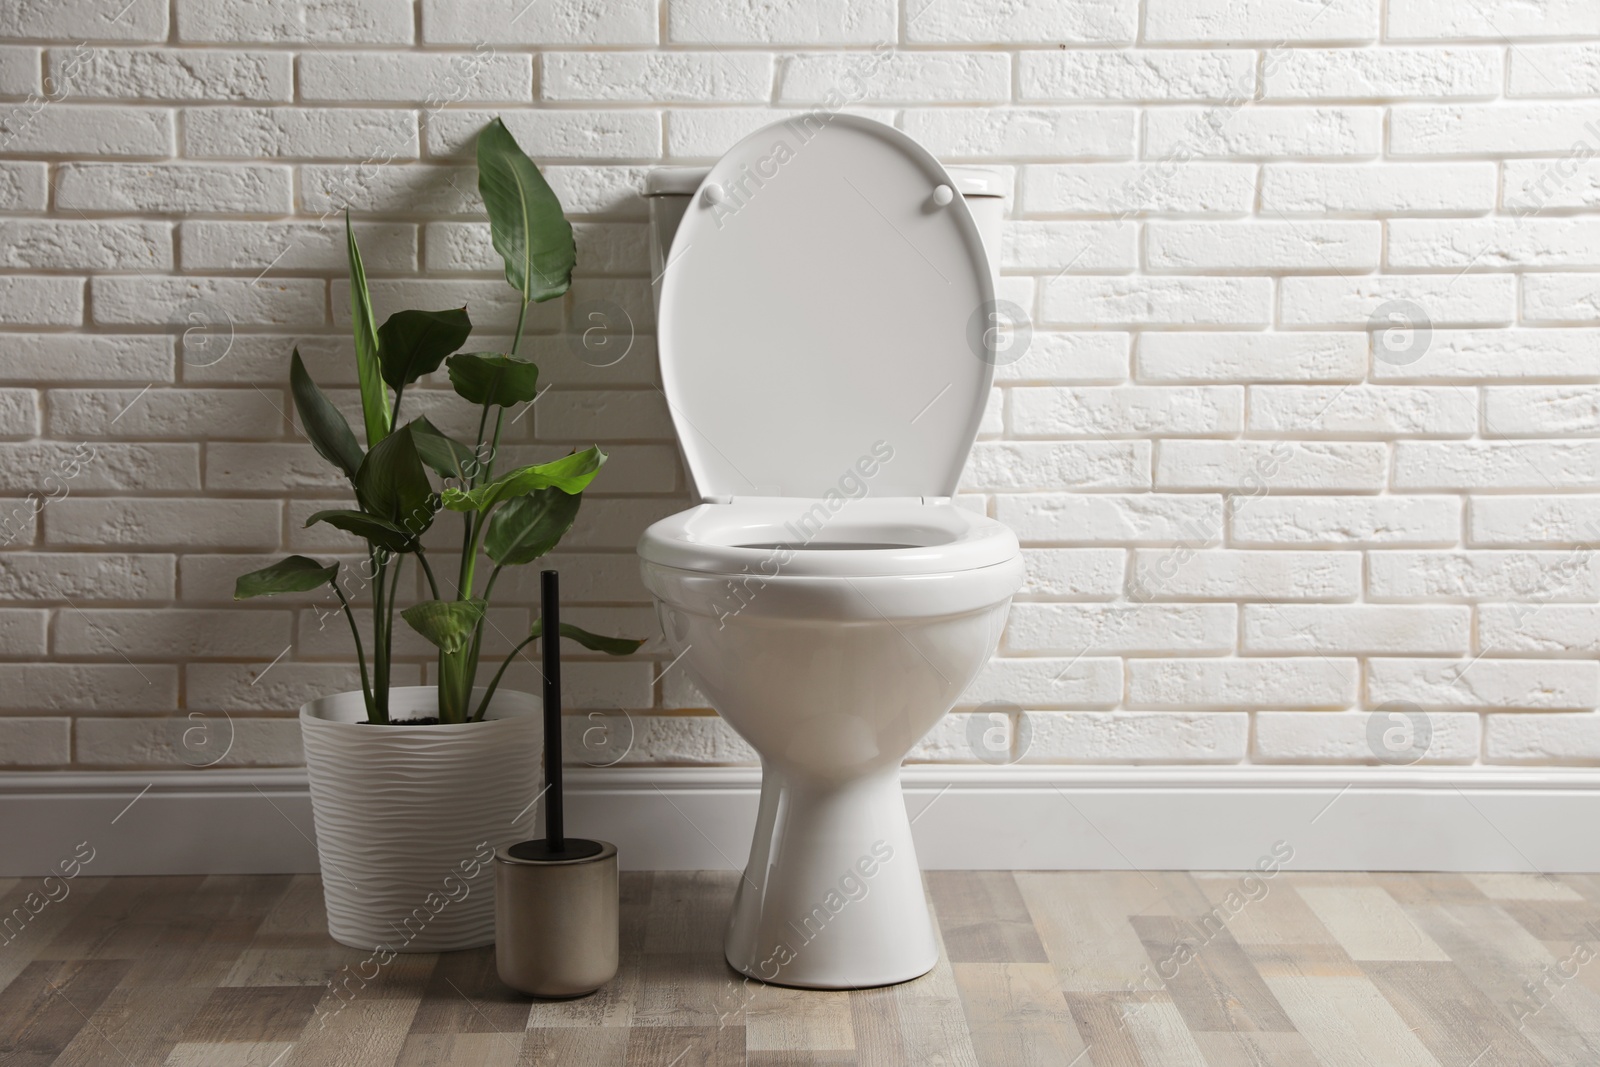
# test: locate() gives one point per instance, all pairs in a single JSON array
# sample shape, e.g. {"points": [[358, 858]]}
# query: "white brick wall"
{"points": [[1308, 431]]}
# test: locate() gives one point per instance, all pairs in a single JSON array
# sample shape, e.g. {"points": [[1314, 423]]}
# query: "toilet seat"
{"points": [[789, 537]]}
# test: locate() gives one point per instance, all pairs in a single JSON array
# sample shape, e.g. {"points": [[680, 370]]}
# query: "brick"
{"points": [[1277, 467], [210, 579], [167, 632], [655, 78], [1131, 737], [23, 186], [554, 22], [1121, 628], [1054, 356], [700, 740], [1251, 357], [169, 74], [260, 687], [1484, 683], [269, 467], [1383, 73], [1211, 247], [1085, 247], [1494, 244], [1183, 573], [1169, 187], [153, 523], [1507, 129], [19, 413], [1560, 299], [834, 78], [1475, 576], [1435, 19], [1135, 75], [1534, 520], [1539, 629], [299, 133], [19, 71], [180, 741], [1543, 410], [295, 21], [85, 576], [1073, 572], [1242, 683], [1346, 737], [1262, 20], [28, 301], [1145, 411], [155, 301], [1546, 739], [28, 742], [1363, 410], [1497, 465], [174, 188], [615, 524], [1026, 22], [88, 687], [546, 134], [1468, 300], [99, 466], [1023, 133], [67, 20], [1107, 518], [1498, 355], [1390, 189], [1158, 301], [1355, 629], [707, 132], [176, 413], [1012, 465], [602, 414], [210, 245], [1346, 521], [1555, 70], [493, 303], [603, 248], [1264, 133], [73, 244], [818, 22], [432, 79], [23, 632], [422, 188], [89, 130], [1571, 181]]}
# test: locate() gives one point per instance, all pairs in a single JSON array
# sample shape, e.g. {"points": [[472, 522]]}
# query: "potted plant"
{"points": [[413, 787]]}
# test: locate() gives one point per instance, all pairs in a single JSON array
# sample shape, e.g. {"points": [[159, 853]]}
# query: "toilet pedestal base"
{"points": [[832, 897]]}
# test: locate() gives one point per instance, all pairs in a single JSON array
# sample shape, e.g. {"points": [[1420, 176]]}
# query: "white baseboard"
{"points": [[666, 818]]}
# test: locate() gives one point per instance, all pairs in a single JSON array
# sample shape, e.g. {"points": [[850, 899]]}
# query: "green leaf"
{"points": [[487, 378], [414, 343], [393, 485], [448, 624], [570, 474], [380, 532], [525, 219], [294, 574], [529, 526], [611, 646], [439, 450], [325, 424], [369, 372]]}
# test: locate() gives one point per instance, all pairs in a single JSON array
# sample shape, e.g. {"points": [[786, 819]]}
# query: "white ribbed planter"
{"points": [[408, 817]]}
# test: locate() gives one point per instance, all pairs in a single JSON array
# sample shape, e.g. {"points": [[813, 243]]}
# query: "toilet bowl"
{"points": [[826, 316]]}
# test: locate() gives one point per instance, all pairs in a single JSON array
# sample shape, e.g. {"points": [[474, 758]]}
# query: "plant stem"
{"points": [[494, 682], [394, 413], [361, 657], [427, 570], [380, 652], [516, 339], [493, 575]]}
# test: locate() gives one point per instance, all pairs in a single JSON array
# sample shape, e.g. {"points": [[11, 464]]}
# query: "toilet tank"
{"points": [[669, 190]]}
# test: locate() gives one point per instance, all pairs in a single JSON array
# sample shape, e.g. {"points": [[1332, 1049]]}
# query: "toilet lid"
{"points": [[823, 317]]}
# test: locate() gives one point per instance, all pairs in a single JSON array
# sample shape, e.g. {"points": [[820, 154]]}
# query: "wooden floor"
{"points": [[1110, 969]]}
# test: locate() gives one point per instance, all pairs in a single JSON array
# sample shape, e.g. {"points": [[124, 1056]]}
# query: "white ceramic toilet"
{"points": [[823, 298]]}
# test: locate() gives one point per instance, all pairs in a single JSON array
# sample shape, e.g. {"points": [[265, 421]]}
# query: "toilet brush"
{"points": [[556, 897]]}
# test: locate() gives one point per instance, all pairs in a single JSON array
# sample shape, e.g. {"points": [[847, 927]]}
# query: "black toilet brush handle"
{"points": [[550, 646]]}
